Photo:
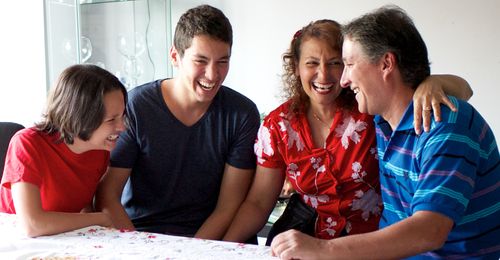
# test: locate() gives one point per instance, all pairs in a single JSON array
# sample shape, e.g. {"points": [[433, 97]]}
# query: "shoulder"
{"points": [[144, 92], [233, 102], [282, 111], [28, 135], [232, 97], [461, 129], [30, 139], [467, 118]]}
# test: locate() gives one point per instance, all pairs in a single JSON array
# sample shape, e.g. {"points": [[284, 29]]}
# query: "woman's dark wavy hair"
{"points": [[328, 31], [75, 107]]}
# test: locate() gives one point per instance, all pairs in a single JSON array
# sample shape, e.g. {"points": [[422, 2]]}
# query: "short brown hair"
{"points": [[390, 29], [202, 20], [75, 107]]}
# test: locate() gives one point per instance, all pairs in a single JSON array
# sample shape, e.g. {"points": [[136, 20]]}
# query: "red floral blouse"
{"points": [[339, 180]]}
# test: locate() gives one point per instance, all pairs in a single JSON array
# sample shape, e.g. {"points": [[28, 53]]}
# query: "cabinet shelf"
{"points": [[131, 39]]}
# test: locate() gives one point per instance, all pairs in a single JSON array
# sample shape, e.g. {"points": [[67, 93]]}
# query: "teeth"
{"points": [[355, 90], [322, 88], [206, 85], [112, 137]]}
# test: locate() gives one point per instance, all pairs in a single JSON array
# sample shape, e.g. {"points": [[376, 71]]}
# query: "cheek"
{"points": [[337, 73], [305, 75]]}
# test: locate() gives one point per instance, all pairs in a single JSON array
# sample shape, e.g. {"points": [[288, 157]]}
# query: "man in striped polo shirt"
{"points": [[440, 189]]}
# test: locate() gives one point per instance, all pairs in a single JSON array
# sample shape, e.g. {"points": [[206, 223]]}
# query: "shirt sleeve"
{"points": [[22, 161], [241, 153], [268, 142], [448, 160]]}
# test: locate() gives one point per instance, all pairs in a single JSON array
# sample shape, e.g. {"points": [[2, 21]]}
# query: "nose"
{"points": [[212, 71], [120, 125], [323, 72], [345, 82]]}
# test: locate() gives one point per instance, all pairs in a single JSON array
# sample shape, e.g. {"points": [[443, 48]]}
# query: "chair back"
{"points": [[7, 130]]}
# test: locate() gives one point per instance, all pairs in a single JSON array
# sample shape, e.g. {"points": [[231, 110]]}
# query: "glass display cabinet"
{"points": [[131, 39]]}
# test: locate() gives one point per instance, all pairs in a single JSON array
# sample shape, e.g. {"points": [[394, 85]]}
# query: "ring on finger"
{"points": [[427, 108]]}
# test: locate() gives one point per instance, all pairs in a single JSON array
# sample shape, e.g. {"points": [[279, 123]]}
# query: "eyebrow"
{"points": [[200, 56]]}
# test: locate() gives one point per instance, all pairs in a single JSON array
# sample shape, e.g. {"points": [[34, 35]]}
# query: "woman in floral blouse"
{"points": [[320, 140]]}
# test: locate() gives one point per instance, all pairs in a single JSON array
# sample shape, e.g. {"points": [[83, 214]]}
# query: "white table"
{"points": [[97, 242]]}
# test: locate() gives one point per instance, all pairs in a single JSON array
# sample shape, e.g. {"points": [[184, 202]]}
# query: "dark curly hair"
{"points": [[327, 30]]}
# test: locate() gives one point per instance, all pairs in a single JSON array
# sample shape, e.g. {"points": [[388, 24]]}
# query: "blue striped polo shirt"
{"points": [[453, 170]]}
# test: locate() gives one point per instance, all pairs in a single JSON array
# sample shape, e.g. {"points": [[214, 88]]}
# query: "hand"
{"points": [[287, 189], [294, 244], [427, 99], [106, 220]]}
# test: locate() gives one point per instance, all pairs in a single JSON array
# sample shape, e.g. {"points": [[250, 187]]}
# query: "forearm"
{"points": [[455, 86], [49, 223], [409, 237], [233, 191], [108, 195], [424, 231], [116, 212], [249, 220], [215, 226]]}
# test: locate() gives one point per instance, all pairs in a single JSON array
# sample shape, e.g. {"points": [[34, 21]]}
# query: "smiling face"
{"points": [[106, 135], [363, 77], [203, 67], [320, 69]]}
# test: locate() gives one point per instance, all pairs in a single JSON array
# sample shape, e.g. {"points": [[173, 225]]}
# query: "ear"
{"points": [[388, 63], [174, 56]]}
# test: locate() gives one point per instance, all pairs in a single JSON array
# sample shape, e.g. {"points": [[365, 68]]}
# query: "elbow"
{"points": [[33, 227], [435, 243], [469, 94], [434, 240], [31, 231]]}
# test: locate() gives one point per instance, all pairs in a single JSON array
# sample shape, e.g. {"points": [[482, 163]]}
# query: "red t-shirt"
{"points": [[67, 181], [340, 180]]}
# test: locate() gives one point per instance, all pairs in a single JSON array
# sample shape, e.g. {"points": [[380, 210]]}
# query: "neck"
{"points": [[181, 104], [321, 113], [183, 99], [79, 146], [397, 105]]}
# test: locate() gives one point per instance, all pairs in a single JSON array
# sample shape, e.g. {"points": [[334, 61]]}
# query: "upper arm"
{"points": [[266, 187], [27, 200], [235, 184]]}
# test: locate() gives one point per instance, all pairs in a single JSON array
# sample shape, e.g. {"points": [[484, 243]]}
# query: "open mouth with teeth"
{"points": [[355, 90], [322, 88], [112, 138], [206, 85]]}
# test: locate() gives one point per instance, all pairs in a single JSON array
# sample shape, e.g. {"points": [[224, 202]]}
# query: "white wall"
{"points": [[462, 37], [22, 62]]}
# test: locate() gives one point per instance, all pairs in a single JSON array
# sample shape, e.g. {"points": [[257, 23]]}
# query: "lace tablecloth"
{"points": [[97, 242]]}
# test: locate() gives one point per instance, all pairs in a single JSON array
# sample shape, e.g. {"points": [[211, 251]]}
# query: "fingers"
{"points": [[448, 103], [283, 244], [436, 109], [417, 118], [426, 118]]}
